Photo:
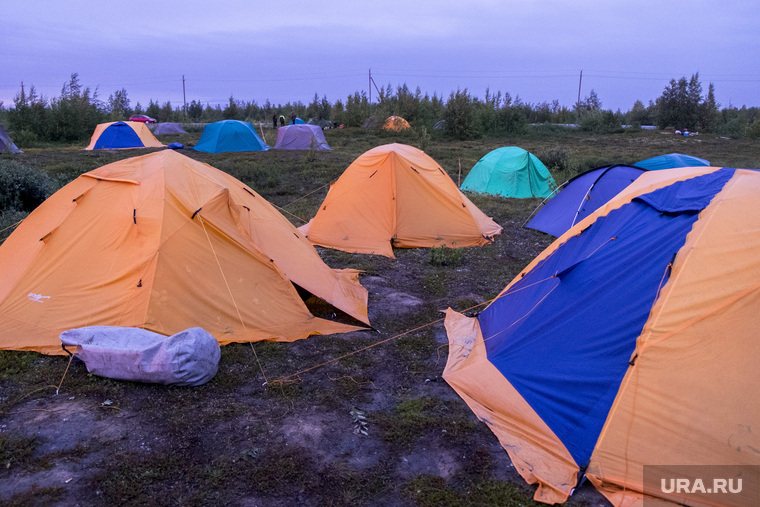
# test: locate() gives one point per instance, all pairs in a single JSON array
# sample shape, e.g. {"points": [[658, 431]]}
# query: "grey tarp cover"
{"points": [[188, 358], [168, 128]]}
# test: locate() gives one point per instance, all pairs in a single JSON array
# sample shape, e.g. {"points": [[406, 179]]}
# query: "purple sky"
{"points": [[288, 51]]}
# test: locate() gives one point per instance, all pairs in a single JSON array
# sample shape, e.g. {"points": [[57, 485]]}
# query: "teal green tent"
{"points": [[230, 135], [510, 172]]}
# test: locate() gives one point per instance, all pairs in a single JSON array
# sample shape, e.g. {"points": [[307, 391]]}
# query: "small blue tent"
{"points": [[670, 161], [230, 135], [581, 196]]}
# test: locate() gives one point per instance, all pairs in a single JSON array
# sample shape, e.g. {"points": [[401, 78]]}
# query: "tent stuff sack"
{"points": [[188, 358]]}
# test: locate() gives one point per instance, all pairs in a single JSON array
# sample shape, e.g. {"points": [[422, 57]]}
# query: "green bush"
{"points": [[555, 159], [753, 131], [22, 188], [444, 256], [600, 122], [25, 139], [460, 116]]}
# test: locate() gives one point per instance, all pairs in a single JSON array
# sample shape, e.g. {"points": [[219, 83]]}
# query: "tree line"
{"points": [[72, 116]]}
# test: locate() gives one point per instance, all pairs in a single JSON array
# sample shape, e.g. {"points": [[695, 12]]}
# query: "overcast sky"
{"points": [[287, 51]]}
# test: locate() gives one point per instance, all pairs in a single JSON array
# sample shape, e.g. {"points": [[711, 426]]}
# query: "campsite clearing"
{"points": [[277, 425]]}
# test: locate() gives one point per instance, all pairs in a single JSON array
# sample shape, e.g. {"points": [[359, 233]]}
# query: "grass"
{"points": [[244, 438]]}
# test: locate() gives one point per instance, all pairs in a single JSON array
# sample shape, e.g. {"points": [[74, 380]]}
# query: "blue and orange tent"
{"points": [[230, 135], [122, 134], [630, 341], [671, 161], [580, 196]]}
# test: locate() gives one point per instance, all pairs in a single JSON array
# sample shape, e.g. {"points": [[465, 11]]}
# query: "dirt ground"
{"points": [[244, 440]]}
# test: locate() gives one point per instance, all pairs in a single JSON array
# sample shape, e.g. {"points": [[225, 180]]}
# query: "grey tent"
{"points": [[301, 137], [6, 143], [168, 128]]}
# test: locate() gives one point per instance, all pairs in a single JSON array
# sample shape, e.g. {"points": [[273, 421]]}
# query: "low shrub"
{"points": [[22, 188], [445, 256]]}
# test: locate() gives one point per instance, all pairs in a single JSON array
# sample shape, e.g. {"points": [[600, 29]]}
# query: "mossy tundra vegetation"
{"points": [[355, 419]]}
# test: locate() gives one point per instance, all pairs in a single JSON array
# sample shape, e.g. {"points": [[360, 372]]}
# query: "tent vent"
{"points": [[134, 215], [374, 173], [415, 170], [246, 189], [196, 212]]}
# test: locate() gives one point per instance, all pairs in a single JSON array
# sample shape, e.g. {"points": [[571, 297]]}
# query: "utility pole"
{"points": [[372, 82], [184, 97], [579, 89]]}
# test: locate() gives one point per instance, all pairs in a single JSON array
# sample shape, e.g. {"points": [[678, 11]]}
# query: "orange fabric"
{"points": [[521, 432], [396, 123], [684, 402], [396, 195], [165, 243], [142, 130], [696, 357]]}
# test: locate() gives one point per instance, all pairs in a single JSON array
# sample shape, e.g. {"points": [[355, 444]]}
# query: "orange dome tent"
{"points": [[627, 351], [396, 195], [165, 243], [122, 134], [396, 123]]}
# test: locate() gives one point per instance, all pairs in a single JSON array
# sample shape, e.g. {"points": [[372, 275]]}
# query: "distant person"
{"points": [[274, 121], [293, 118], [282, 121]]}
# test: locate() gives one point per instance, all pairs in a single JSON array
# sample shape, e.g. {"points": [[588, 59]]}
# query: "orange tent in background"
{"points": [[165, 243], [122, 134], [396, 195], [396, 123]]}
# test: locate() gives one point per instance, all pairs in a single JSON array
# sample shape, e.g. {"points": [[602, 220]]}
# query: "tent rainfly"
{"points": [[671, 161], [165, 243], [301, 137], [122, 134], [510, 172], [630, 341], [396, 124], [397, 196], [6, 143], [230, 135], [580, 196], [168, 128]]}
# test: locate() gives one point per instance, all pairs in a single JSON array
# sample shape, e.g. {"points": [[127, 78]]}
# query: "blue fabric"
{"points": [[581, 196], [230, 135], [564, 333], [670, 161], [118, 135], [175, 146]]}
